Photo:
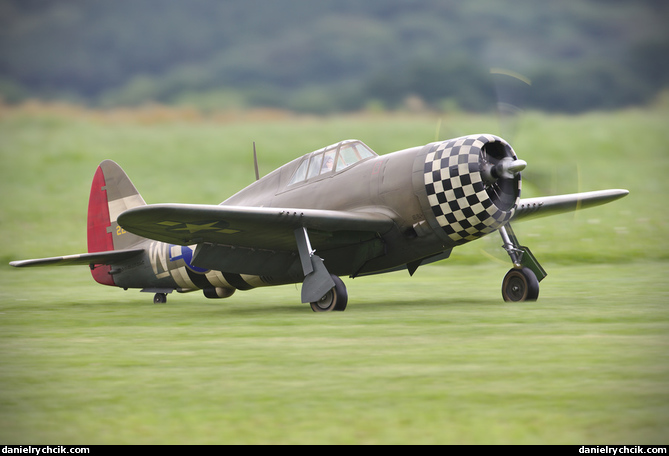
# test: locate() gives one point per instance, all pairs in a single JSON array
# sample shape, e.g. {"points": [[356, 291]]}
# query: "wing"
{"points": [[251, 227], [530, 208], [109, 257], [258, 240]]}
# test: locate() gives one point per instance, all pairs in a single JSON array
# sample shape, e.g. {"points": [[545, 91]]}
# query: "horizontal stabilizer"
{"points": [[530, 208], [109, 257]]}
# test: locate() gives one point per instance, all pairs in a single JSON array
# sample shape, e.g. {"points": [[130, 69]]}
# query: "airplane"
{"points": [[339, 211]]}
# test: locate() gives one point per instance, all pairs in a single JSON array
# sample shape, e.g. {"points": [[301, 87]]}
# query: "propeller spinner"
{"points": [[506, 168]]}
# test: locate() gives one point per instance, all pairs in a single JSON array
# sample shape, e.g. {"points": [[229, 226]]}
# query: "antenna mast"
{"points": [[255, 161]]}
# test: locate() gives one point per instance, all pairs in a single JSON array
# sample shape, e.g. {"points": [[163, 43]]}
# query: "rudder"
{"points": [[112, 192]]}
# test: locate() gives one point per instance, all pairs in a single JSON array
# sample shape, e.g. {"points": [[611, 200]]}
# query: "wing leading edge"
{"points": [[530, 208]]}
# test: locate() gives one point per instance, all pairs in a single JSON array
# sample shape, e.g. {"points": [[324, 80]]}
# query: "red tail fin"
{"points": [[111, 193]]}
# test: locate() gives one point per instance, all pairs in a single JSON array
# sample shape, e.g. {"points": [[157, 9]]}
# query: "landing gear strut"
{"points": [[521, 283], [323, 291]]}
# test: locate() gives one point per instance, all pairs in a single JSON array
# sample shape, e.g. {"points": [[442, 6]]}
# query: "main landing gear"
{"points": [[521, 283], [323, 291], [160, 298], [335, 299]]}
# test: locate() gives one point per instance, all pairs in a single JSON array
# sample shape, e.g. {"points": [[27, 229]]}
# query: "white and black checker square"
{"points": [[456, 192]]}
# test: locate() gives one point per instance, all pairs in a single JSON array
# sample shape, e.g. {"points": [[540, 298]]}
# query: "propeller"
{"points": [[511, 89], [501, 167]]}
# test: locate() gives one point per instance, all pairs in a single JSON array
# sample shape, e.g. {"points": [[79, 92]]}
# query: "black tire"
{"points": [[342, 294], [160, 298], [335, 299], [520, 285]]}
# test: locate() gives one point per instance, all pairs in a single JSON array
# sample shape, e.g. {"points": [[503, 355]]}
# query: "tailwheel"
{"points": [[160, 298], [520, 285], [335, 299]]}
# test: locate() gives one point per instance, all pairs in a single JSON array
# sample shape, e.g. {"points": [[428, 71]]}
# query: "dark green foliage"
{"points": [[332, 55]]}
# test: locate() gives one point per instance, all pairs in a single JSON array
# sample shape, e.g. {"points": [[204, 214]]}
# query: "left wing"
{"points": [[109, 257], [251, 227], [530, 208]]}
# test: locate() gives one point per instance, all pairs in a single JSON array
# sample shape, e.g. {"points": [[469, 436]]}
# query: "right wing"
{"points": [[530, 208]]}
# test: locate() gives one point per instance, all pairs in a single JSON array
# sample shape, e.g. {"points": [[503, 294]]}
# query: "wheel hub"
{"points": [[516, 288], [326, 301]]}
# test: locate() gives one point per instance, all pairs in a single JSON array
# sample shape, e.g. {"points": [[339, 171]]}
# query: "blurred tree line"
{"points": [[335, 55]]}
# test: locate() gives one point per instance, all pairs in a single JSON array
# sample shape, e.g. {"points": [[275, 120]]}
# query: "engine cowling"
{"points": [[472, 186]]}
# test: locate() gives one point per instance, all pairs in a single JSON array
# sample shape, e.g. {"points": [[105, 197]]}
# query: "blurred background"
{"points": [[333, 55]]}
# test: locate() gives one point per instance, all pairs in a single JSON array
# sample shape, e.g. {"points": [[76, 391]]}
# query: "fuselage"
{"points": [[434, 195], [382, 184]]}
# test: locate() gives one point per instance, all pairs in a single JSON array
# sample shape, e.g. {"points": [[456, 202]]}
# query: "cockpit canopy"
{"points": [[331, 159]]}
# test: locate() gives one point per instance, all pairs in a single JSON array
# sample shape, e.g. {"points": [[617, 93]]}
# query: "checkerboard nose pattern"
{"points": [[465, 205]]}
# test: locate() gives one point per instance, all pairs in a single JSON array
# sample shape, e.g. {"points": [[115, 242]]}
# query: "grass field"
{"points": [[435, 358]]}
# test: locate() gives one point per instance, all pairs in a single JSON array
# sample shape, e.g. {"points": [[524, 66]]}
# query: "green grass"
{"points": [[434, 358]]}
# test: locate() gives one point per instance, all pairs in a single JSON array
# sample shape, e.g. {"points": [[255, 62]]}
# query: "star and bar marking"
{"points": [[217, 226]]}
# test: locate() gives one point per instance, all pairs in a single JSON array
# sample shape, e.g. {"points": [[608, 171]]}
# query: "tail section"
{"points": [[112, 192]]}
